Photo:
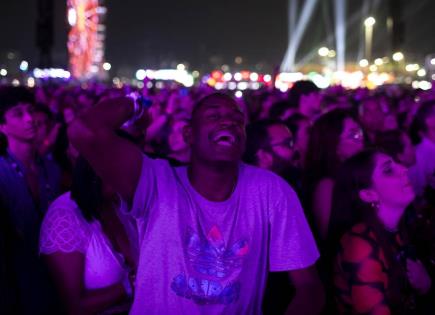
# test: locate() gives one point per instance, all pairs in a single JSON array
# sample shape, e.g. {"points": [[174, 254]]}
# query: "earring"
{"points": [[375, 205]]}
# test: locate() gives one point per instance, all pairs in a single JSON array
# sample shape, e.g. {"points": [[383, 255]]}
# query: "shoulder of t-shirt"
{"points": [[156, 160], [258, 176]]}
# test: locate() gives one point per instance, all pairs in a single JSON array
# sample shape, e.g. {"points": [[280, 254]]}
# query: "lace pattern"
{"points": [[63, 230]]}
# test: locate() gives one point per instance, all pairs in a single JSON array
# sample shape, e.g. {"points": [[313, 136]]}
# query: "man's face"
{"points": [[19, 123], [217, 131], [281, 145], [310, 104], [371, 115]]}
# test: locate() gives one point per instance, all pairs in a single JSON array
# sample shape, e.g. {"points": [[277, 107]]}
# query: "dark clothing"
{"points": [[279, 289], [365, 282], [34, 289]]}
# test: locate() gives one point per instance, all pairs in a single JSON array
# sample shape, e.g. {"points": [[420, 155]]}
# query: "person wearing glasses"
{"points": [[335, 136], [270, 145], [210, 231]]}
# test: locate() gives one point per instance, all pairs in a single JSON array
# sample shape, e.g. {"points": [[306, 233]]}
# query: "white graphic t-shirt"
{"points": [[204, 257]]}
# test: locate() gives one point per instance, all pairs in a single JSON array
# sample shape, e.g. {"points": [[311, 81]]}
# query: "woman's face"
{"points": [[351, 139], [407, 157], [391, 186]]}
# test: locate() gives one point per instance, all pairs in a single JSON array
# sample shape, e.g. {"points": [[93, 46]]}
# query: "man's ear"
{"points": [[187, 134], [264, 159], [368, 195]]}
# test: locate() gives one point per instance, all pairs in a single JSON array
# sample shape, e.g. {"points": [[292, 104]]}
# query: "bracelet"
{"points": [[140, 104]]}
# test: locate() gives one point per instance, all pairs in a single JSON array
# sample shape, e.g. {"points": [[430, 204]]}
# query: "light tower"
{"points": [[86, 38]]}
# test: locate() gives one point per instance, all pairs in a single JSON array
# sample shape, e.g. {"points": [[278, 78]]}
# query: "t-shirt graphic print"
{"points": [[213, 263]]}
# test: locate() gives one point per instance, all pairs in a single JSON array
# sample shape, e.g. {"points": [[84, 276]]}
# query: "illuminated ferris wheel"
{"points": [[86, 37]]}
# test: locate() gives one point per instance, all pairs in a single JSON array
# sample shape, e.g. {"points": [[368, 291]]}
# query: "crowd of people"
{"points": [[117, 200]]}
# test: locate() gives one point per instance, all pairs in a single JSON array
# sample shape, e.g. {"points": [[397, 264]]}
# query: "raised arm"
{"points": [[117, 161]]}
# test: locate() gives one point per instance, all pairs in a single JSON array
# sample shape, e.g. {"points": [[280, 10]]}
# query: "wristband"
{"points": [[140, 106]]}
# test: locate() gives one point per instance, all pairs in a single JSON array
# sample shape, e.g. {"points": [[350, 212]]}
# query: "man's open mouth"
{"points": [[224, 138]]}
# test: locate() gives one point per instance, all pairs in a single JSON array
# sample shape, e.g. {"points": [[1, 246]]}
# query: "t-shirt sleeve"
{"points": [[292, 244], [146, 189], [63, 231]]}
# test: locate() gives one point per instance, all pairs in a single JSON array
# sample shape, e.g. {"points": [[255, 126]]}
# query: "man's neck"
{"points": [[24, 151], [214, 182], [181, 156]]}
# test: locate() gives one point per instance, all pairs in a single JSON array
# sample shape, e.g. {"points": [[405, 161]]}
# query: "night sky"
{"points": [[201, 33]]}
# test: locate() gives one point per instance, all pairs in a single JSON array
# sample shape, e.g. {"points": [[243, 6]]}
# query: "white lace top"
{"points": [[64, 229]]}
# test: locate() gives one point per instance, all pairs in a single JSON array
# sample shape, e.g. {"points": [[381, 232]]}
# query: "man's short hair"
{"points": [[300, 88], [203, 101], [11, 96], [257, 137]]}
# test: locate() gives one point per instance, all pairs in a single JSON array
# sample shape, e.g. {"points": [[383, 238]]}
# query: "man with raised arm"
{"points": [[209, 232]]}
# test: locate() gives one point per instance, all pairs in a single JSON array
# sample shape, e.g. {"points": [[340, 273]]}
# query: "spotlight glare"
{"points": [[421, 73], [363, 63], [369, 22], [72, 17], [412, 67], [323, 51], [107, 66], [24, 65], [31, 82], [373, 68], [254, 76], [140, 74], [379, 61], [332, 53], [228, 76], [398, 56]]}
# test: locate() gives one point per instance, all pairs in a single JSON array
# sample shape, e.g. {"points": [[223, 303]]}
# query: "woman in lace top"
{"points": [[89, 247]]}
